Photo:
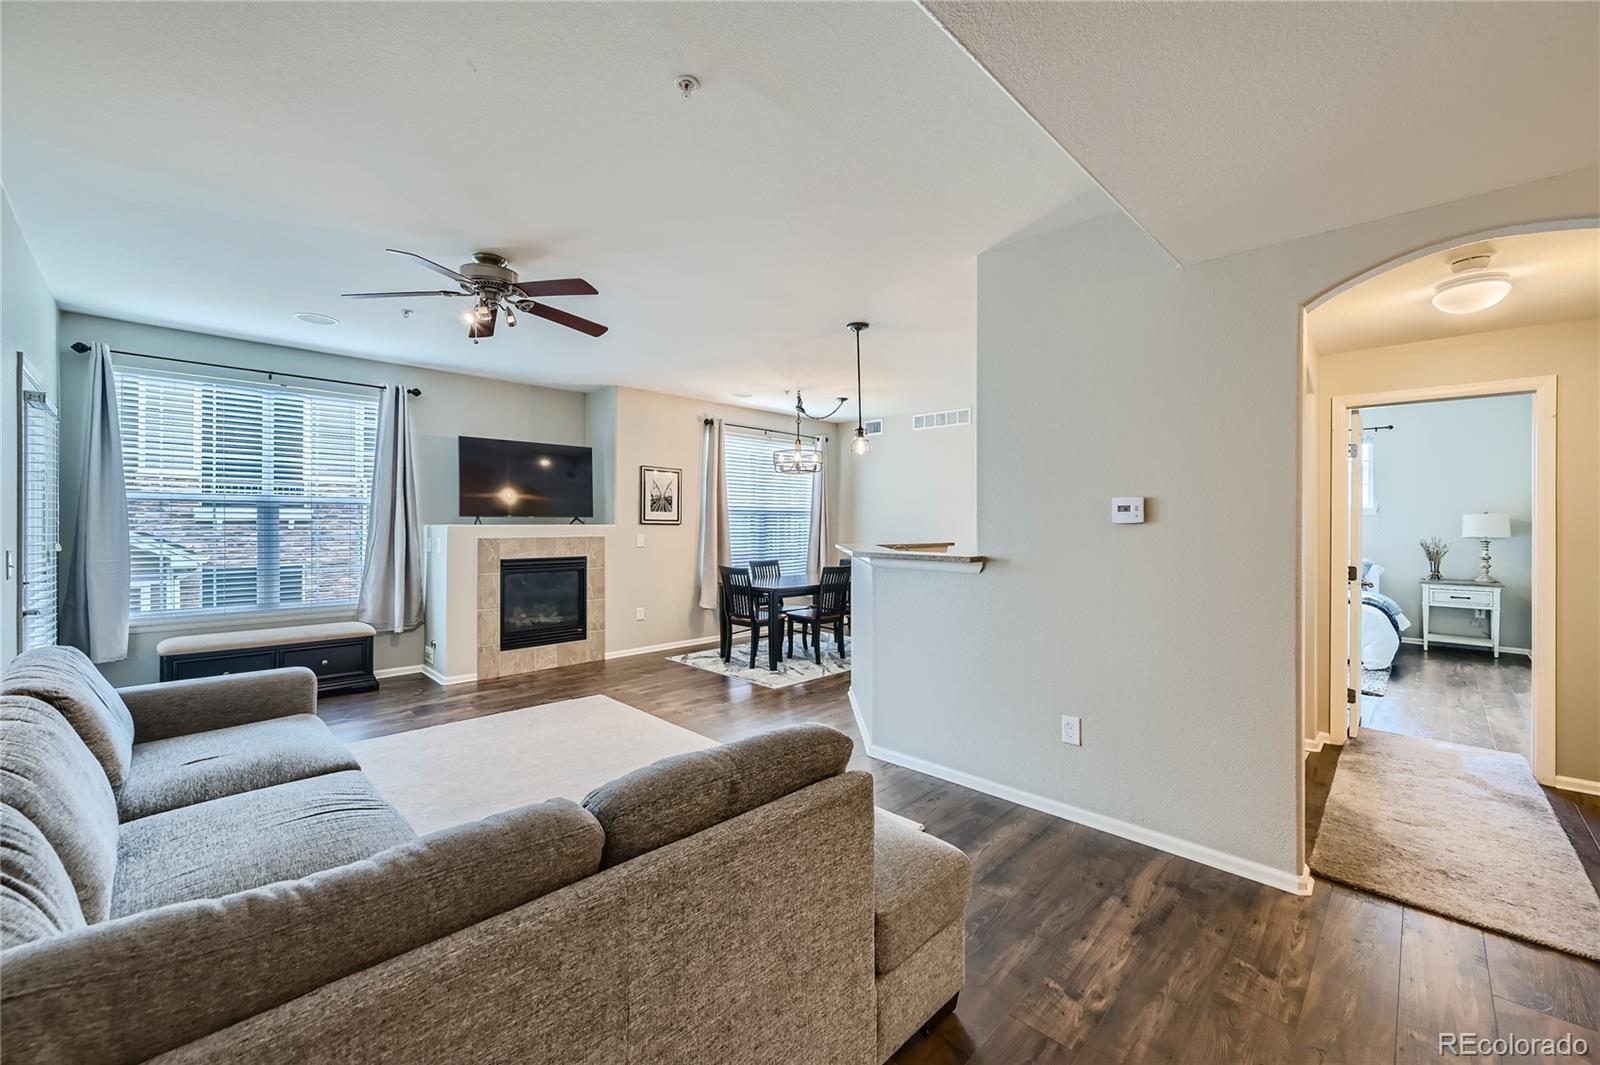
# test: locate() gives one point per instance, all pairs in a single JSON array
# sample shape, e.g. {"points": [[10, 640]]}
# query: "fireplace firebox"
{"points": [[543, 600]]}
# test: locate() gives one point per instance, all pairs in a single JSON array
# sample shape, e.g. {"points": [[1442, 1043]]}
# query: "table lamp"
{"points": [[1485, 527]]}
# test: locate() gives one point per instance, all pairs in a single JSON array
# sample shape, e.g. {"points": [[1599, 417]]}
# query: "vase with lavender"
{"points": [[1435, 549]]}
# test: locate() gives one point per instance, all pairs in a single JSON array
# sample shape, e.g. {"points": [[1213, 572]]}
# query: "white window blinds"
{"points": [[769, 513], [243, 497], [41, 520]]}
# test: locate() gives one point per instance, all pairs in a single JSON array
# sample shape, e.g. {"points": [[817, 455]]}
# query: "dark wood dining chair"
{"points": [[740, 606], [767, 569], [827, 608]]}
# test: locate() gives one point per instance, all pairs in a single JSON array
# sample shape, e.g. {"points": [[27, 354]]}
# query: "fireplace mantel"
{"points": [[463, 597]]}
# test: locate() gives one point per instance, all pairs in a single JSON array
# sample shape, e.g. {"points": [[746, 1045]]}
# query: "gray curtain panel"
{"points": [[817, 547], [391, 583], [94, 595], [714, 549]]}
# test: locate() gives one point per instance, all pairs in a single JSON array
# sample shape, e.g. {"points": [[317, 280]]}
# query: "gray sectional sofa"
{"points": [[199, 872]]}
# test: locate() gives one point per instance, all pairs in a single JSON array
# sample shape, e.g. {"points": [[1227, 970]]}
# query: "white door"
{"points": [[1353, 582]]}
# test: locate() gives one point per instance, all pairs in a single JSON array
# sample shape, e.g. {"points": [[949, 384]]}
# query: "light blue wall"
{"points": [[27, 335], [1443, 460]]}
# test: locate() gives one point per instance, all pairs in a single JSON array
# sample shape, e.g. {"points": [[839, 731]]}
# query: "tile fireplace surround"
{"points": [[492, 661]]}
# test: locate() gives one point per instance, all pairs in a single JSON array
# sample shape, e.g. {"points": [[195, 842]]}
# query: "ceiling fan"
{"points": [[489, 280]]}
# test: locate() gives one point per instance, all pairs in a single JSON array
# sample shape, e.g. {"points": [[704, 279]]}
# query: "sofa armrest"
{"points": [[180, 707], [130, 989]]}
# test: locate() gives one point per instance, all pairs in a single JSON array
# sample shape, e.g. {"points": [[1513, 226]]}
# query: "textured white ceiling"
{"points": [[1555, 277], [220, 166], [1227, 126]]}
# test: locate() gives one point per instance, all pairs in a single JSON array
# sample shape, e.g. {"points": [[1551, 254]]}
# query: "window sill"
{"points": [[261, 619]]}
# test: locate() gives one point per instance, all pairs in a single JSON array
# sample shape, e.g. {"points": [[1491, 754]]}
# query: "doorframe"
{"points": [[1545, 583]]}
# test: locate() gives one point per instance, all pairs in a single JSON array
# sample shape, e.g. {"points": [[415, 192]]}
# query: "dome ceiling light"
{"points": [[1474, 287]]}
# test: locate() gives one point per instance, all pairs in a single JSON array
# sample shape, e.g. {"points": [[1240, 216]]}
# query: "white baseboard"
{"points": [[1228, 863], [676, 645], [855, 709], [397, 671], [1578, 784], [1416, 641], [439, 678]]}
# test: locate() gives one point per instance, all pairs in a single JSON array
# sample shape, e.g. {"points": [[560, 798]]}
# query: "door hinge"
{"points": [[1350, 573], [1350, 696]]}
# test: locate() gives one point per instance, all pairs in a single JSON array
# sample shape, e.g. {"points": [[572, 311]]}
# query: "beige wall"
{"points": [[1103, 370], [654, 429], [1571, 352]]}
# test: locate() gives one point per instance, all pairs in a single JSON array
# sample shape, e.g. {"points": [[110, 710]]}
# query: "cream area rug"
{"points": [[790, 670], [1461, 831], [460, 771]]}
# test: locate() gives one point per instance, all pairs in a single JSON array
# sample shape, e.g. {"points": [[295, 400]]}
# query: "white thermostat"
{"points": [[1128, 510]]}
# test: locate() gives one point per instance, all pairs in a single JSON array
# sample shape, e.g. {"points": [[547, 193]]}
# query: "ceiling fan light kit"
{"points": [[490, 281], [1473, 289]]}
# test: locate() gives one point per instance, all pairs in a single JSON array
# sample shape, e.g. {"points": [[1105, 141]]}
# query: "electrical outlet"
{"points": [[638, 613], [638, 541], [1071, 730]]}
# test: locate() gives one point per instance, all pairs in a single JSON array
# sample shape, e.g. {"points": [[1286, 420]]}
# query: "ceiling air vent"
{"points": [[944, 419], [873, 426]]}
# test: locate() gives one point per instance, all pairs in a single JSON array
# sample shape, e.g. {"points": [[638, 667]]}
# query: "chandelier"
{"points": [[803, 458]]}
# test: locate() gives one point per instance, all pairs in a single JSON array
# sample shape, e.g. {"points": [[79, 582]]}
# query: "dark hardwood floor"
{"points": [[1084, 948], [1461, 695]]}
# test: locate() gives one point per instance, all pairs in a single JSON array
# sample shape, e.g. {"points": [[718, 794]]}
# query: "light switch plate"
{"points": [[639, 540]]}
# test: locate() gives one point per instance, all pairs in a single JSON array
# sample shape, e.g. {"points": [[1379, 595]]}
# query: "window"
{"points": [[769, 513], [1368, 497], [243, 497], [41, 519]]}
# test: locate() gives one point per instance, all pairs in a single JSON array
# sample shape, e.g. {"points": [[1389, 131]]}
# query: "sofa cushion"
{"points": [[37, 899], [66, 679], [257, 837], [48, 776], [920, 886], [184, 770], [131, 989], [688, 793]]}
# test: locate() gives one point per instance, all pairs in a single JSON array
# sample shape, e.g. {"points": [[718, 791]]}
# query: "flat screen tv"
{"points": [[518, 479]]}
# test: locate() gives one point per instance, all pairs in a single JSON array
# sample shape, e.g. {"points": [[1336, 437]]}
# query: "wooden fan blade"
{"points": [[393, 295], [571, 321], [431, 265], [479, 328], [566, 286]]}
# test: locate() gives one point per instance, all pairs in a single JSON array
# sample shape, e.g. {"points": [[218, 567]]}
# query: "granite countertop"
{"points": [[921, 552]]}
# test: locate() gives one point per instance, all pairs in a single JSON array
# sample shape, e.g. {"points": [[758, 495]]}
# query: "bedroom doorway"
{"points": [[1440, 502]]}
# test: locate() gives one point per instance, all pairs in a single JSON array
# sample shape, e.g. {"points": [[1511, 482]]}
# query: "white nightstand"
{"points": [[1462, 595]]}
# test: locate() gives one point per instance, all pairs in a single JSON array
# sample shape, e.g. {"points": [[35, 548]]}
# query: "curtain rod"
{"points": [[762, 429], [248, 369]]}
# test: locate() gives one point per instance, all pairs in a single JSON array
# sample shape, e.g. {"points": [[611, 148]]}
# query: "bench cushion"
{"points": [[49, 777], [197, 643], [37, 899], [201, 766], [676, 797], [258, 837], [920, 886], [66, 679]]}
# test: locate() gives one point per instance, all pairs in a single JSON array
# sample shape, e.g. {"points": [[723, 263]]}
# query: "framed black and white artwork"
{"points": [[660, 496]]}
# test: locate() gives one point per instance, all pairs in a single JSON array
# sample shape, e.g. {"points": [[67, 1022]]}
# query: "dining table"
{"points": [[777, 589]]}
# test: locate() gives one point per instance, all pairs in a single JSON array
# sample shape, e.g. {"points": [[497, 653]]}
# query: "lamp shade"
{"points": [[1485, 526]]}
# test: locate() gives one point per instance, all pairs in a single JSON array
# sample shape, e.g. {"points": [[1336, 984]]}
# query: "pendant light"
{"points": [[802, 458], [860, 445]]}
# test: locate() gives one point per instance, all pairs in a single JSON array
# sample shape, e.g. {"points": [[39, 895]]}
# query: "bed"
{"points": [[1382, 621]]}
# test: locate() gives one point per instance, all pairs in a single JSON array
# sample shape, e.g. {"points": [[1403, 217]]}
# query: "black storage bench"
{"points": [[339, 653]]}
